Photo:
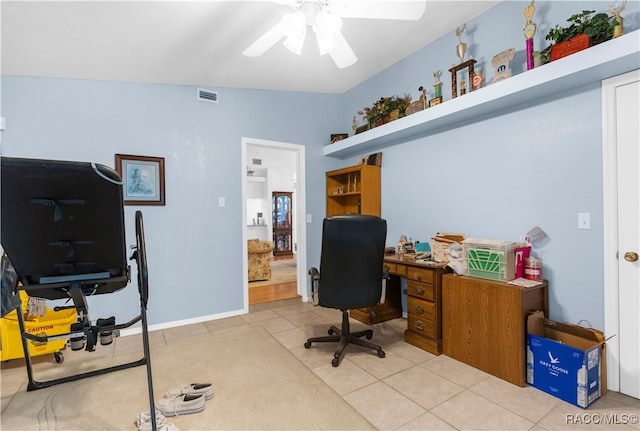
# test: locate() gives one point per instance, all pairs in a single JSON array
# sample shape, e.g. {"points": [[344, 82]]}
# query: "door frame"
{"points": [[610, 223], [300, 204]]}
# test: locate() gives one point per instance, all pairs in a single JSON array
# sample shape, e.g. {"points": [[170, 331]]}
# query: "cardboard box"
{"points": [[565, 360]]}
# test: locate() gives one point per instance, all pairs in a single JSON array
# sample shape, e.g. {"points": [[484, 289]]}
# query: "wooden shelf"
{"points": [[594, 64]]}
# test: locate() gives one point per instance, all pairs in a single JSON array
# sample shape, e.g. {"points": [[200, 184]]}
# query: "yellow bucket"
{"points": [[52, 323]]}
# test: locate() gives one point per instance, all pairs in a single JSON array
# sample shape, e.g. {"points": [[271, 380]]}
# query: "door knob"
{"points": [[631, 256]]}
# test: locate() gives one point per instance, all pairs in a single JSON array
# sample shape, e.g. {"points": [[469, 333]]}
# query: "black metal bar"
{"points": [[34, 385]]}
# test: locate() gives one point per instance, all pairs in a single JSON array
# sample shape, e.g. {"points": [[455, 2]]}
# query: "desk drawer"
{"points": [[421, 308], [420, 274], [391, 267], [396, 269], [421, 290], [422, 326]]}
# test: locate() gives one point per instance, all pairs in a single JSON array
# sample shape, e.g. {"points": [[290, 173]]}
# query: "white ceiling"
{"points": [[201, 42]]}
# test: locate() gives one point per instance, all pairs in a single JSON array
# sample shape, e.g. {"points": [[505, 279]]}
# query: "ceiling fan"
{"points": [[325, 19]]}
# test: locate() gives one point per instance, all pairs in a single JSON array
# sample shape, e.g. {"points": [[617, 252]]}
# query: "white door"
{"points": [[621, 110]]}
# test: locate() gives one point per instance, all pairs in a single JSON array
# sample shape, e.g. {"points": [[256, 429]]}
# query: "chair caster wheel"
{"points": [[307, 345], [369, 336], [335, 362], [330, 331], [381, 353]]}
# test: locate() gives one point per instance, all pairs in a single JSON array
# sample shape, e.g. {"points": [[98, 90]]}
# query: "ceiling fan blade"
{"points": [[266, 41], [342, 55], [408, 10]]}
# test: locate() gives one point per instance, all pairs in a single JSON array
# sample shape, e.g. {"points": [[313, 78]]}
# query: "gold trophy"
{"points": [[461, 49], [529, 31], [529, 26], [617, 30]]}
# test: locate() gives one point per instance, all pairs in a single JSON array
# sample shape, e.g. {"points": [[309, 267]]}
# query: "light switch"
{"points": [[221, 201], [584, 220], [309, 218]]}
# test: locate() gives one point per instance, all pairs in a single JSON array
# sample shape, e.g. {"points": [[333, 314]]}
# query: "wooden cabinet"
{"points": [[484, 323], [281, 206], [424, 308], [354, 190]]}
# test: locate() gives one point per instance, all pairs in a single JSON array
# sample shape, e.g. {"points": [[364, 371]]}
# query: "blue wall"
{"points": [[194, 246], [535, 164]]}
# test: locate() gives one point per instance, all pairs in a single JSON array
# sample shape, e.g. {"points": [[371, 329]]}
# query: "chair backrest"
{"points": [[63, 220], [351, 261]]}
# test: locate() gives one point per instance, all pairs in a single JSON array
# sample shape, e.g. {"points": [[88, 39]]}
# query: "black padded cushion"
{"points": [[351, 261], [62, 219]]}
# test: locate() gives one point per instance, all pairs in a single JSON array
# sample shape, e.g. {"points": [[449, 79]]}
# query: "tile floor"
{"points": [[409, 389]]}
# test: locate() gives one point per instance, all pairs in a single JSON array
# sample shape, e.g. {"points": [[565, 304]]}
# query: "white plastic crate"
{"points": [[489, 258]]}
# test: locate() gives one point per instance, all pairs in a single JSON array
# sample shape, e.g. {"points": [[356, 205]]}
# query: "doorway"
{"points": [[621, 185], [283, 166]]}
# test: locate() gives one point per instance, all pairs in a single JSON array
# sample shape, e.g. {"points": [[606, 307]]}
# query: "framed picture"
{"points": [[362, 128], [335, 137], [372, 159], [143, 179]]}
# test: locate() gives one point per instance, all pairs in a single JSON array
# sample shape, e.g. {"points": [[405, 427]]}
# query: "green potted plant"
{"points": [[597, 28], [385, 109]]}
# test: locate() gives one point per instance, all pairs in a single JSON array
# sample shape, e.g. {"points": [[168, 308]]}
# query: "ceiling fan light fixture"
{"points": [[295, 31], [327, 27]]}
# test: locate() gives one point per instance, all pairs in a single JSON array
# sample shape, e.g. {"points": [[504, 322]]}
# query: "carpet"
{"points": [[259, 385], [282, 271]]}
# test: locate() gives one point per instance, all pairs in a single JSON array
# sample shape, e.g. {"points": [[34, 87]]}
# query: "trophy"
{"points": [[437, 89], [529, 31], [617, 30], [500, 63], [461, 50]]}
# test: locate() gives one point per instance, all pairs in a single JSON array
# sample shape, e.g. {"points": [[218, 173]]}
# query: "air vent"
{"points": [[257, 161], [207, 95]]}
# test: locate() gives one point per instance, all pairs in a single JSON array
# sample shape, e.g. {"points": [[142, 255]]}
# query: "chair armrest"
{"points": [[315, 282]]}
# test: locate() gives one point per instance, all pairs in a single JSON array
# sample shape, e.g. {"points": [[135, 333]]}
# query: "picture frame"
{"points": [[143, 179], [362, 128], [335, 137], [374, 159]]}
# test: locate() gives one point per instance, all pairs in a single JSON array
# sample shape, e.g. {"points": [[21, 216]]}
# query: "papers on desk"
{"points": [[525, 282], [428, 261]]}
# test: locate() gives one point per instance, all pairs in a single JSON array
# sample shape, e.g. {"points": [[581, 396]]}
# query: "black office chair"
{"points": [[351, 275], [63, 230]]}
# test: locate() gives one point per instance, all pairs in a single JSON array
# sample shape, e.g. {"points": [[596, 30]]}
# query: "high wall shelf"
{"points": [[594, 64]]}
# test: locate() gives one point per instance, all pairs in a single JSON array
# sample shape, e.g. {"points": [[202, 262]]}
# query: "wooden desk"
{"points": [[484, 323], [424, 305]]}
